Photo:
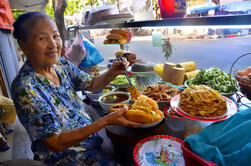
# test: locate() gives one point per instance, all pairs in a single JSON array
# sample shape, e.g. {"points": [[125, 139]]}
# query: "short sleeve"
{"points": [[79, 79], [34, 112]]}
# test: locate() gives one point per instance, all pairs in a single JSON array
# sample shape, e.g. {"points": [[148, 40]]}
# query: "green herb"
{"points": [[121, 79], [216, 79]]}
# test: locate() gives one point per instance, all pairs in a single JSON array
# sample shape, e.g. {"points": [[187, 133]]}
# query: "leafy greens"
{"points": [[216, 79]]}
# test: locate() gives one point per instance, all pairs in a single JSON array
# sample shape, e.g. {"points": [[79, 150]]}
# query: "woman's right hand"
{"points": [[118, 118]]}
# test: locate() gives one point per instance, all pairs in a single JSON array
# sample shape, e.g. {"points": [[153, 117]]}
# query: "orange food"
{"points": [[242, 73], [144, 110], [133, 92], [248, 69]]}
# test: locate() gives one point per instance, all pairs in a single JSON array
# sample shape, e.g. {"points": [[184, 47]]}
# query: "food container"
{"points": [[121, 81], [94, 96], [245, 86], [191, 159], [145, 79], [192, 126], [172, 8], [121, 89], [244, 83], [142, 10], [107, 105], [163, 104], [159, 69], [167, 72], [176, 123]]}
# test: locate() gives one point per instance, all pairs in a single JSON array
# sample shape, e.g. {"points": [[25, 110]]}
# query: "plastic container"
{"points": [[176, 123], [172, 8], [191, 159], [142, 10]]}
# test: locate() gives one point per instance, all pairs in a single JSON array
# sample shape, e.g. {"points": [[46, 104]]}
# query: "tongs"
{"points": [[126, 73], [133, 91]]}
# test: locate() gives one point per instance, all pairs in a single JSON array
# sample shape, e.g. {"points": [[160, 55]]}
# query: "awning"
{"points": [[28, 4]]}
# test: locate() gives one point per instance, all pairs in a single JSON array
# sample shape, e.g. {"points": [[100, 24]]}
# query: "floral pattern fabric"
{"points": [[45, 109]]}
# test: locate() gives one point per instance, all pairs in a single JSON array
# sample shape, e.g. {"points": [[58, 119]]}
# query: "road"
{"points": [[220, 53]]}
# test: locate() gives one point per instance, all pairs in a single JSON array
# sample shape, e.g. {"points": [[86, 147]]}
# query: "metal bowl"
{"points": [[94, 96]]}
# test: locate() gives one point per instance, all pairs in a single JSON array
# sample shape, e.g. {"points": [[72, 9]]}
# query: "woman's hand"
{"points": [[131, 58], [118, 118], [117, 67]]}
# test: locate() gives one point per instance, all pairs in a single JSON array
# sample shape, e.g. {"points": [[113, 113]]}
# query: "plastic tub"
{"points": [[191, 159]]}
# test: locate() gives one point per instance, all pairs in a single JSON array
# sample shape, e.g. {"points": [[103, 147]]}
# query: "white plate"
{"points": [[150, 125], [116, 18], [231, 110], [159, 150]]}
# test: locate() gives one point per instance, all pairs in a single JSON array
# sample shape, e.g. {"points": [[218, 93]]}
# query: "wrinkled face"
{"points": [[43, 47]]}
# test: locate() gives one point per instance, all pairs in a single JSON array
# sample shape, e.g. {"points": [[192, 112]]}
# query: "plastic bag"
{"points": [[93, 56], [77, 52]]}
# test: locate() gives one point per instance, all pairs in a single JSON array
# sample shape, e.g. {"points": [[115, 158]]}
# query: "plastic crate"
{"points": [[191, 159]]}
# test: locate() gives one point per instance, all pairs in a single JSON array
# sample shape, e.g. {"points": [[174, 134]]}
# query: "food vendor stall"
{"points": [[205, 70], [171, 106]]}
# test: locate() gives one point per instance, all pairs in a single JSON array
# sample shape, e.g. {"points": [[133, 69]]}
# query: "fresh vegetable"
{"points": [[216, 79], [106, 90], [121, 79]]}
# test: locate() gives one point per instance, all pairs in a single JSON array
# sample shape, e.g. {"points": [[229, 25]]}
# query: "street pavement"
{"points": [[220, 53]]}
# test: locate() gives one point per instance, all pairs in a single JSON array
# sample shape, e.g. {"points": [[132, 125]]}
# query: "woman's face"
{"points": [[43, 47]]}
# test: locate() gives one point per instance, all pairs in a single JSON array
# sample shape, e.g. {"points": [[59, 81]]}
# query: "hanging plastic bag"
{"points": [[93, 56], [77, 52]]}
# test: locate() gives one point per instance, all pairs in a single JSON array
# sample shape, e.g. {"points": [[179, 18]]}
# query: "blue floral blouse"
{"points": [[46, 110]]}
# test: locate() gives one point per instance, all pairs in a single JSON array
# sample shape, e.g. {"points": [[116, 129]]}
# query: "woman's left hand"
{"points": [[117, 67], [118, 118]]}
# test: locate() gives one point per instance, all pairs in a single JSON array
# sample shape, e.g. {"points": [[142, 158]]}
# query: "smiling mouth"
{"points": [[52, 53]]}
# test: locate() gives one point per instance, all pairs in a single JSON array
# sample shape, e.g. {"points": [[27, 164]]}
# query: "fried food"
{"points": [[118, 107], [202, 101], [133, 92], [144, 110], [117, 36], [114, 36], [161, 92]]}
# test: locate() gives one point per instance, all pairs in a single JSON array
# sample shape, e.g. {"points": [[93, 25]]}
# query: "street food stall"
{"points": [[189, 94]]}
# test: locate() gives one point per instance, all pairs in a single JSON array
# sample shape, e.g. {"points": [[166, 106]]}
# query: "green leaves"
{"points": [[216, 79]]}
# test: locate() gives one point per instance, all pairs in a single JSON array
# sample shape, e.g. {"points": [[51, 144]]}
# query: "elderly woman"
{"points": [[44, 93]]}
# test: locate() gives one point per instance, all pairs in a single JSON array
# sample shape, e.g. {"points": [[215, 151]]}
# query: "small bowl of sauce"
{"points": [[111, 98]]}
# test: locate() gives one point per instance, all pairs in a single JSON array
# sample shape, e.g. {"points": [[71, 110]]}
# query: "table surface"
{"points": [[121, 140]]}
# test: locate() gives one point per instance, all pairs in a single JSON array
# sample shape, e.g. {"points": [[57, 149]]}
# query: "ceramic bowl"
{"points": [[106, 106], [95, 96]]}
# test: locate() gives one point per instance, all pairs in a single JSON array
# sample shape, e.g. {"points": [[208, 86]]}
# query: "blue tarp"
{"points": [[226, 143]]}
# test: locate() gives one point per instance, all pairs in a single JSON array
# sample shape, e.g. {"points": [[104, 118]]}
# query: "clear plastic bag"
{"points": [[77, 52]]}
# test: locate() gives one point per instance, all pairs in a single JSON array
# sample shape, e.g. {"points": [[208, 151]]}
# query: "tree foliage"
{"points": [[16, 13], [75, 6]]}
